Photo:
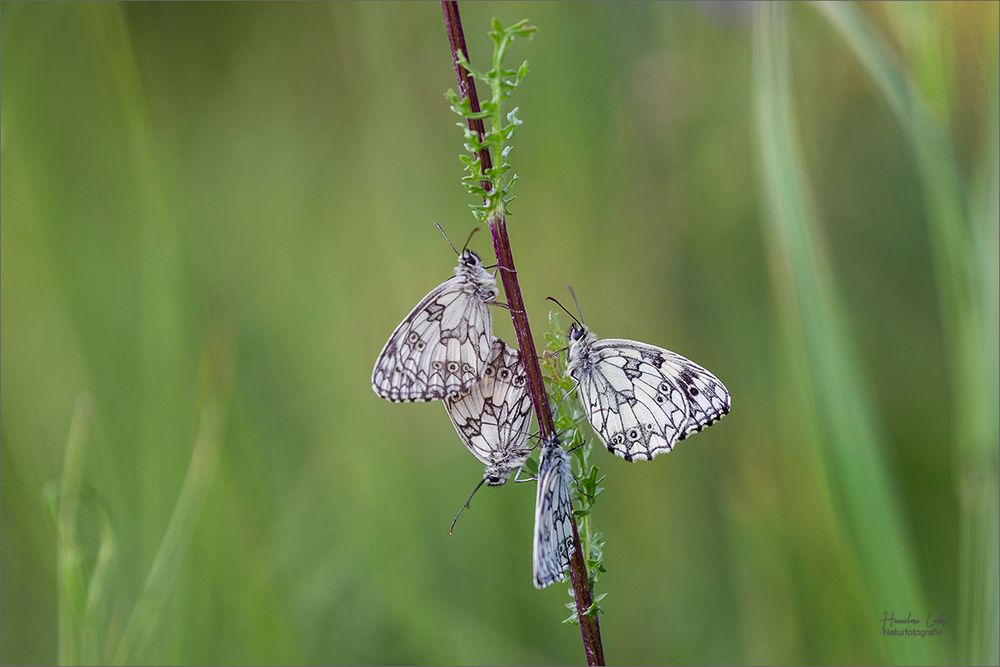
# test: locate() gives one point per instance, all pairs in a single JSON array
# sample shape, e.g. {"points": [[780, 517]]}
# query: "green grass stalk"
{"points": [[963, 247], [851, 443], [69, 556], [176, 540]]}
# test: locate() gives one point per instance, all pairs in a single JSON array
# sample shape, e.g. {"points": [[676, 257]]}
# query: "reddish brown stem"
{"points": [[590, 629]]}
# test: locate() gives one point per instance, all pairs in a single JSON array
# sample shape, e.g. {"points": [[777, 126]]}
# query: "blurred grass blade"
{"points": [[95, 615], [177, 539], [69, 557], [966, 273], [848, 435], [935, 159], [977, 418], [164, 414]]}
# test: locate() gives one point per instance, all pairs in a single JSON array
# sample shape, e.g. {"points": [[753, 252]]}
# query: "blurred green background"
{"points": [[214, 215]]}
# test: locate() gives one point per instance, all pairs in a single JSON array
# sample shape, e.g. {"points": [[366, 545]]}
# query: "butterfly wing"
{"points": [[492, 416], [636, 408], [708, 399], [553, 544], [642, 399], [439, 349]]}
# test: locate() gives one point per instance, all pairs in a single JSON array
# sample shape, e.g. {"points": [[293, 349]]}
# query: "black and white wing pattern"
{"points": [[492, 416], [439, 349], [708, 399], [553, 544], [642, 399]]}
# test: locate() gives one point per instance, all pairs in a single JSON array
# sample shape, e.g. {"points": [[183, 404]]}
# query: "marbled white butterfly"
{"points": [[443, 345], [553, 543], [492, 416], [641, 399]]}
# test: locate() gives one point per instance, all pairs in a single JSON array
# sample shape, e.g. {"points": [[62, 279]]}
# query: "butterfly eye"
{"points": [[489, 371], [452, 366], [504, 374], [413, 337], [466, 368], [693, 390], [617, 439], [665, 387], [436, 365], [519, 381], [661, 399], [633, 434], [419, 345]]}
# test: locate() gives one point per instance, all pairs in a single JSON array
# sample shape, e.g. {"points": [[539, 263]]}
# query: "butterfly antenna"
{"points": [[465, 506], [471, 234], [445, 235], [553, 300], [573, 294]]}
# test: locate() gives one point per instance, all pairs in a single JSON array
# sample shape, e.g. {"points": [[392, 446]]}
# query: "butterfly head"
{"points": [[469, 259], [496, 475], [581, 341], [552, 446], [475, 276], [577, 331]]}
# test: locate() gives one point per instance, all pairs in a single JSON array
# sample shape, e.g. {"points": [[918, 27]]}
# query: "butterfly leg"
{"points": [[568, 393], [497, 267], [534, 435], [506, 306], [518, 479]]}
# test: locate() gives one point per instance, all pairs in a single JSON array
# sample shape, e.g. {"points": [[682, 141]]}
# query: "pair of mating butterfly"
{"points": [[639, 399]]}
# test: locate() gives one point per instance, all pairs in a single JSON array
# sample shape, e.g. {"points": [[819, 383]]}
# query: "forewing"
{"points": [[553, 543], [637, 409], [492, 416], [439, 349]]}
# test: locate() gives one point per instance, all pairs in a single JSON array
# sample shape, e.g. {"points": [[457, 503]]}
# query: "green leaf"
{"points": [[522, 71], [530, 467]]}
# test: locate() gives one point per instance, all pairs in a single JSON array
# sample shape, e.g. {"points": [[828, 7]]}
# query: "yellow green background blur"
{"points": [[213, 215]]}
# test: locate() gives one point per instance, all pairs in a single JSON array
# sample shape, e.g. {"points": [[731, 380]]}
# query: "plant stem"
{"points": [[590, 629]]}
